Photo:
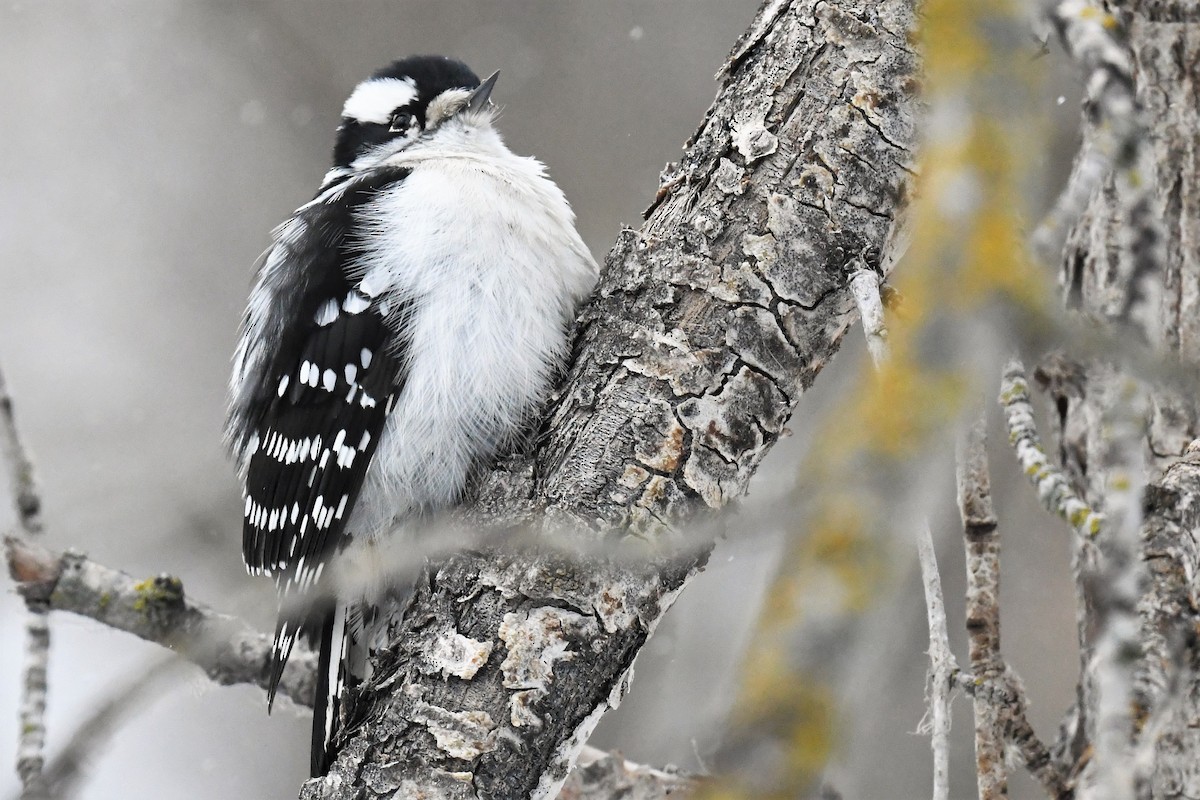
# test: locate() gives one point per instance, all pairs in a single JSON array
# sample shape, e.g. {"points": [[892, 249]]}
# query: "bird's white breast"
{"points": [[481, 252]]}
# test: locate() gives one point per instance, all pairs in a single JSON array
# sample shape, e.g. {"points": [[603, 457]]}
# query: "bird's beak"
{"points": [[479, 97]]}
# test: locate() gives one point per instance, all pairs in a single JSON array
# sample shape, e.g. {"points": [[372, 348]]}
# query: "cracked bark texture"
{"points": [[707, 326], [1164, 39]]}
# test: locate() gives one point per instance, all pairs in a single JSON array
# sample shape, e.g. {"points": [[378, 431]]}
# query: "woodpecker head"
{"points": [[407, 101]]}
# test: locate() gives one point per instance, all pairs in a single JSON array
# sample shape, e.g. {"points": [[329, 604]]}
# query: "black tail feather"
{"points": [[327, 699], [286, 631], [322, 623]]}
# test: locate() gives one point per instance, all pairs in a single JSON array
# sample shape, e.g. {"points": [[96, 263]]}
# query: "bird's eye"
{"points": [[401, 121]]}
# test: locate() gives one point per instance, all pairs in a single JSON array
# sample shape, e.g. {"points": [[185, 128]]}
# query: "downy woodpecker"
{"points": [[404, 328]]}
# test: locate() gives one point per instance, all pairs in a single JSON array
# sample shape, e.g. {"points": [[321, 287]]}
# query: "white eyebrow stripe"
{"points": [[376, 99]]}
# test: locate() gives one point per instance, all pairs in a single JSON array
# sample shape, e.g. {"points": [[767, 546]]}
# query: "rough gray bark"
{"points": [[1164, 38], [706, 327]]}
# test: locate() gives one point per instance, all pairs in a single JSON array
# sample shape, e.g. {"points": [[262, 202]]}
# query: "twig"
{"points": [[1025, 742], [942, 665], [1053, 489], [21, 481], [982, 544], [1000, 704], [1007, 695], [864, 285], [32, 737], [32, 741], [156, 610]]}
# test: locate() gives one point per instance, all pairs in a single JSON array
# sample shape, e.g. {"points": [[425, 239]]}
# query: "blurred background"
{"points": [[149, 148]]}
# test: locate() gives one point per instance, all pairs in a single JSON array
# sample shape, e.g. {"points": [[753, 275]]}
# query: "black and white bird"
{"points": [[404, 328]]}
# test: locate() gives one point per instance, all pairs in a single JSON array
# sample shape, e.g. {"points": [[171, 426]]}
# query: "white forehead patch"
{"points": [[375, 100]]}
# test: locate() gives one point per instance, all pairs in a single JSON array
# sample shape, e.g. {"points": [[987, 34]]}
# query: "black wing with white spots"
{"points": [[314, 443], [320, 372]]}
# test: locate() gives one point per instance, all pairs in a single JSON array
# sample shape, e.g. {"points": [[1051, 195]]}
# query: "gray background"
{"points": [[147, 150]]}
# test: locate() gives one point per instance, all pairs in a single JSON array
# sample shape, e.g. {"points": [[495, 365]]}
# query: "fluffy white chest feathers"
{"points": [[476, 257]]}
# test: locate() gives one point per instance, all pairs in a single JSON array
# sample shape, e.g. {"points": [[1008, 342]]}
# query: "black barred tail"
{"points": [[326, 701], [323, 626], [287, 628], [296, 619]]}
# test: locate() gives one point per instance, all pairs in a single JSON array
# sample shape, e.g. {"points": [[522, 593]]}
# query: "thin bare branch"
{"points": [[942, 665], [982, 543], [20, 467], [864, 285], [155, 609], [999, 698], [32, 741], [28, 505], [1007, 695]]}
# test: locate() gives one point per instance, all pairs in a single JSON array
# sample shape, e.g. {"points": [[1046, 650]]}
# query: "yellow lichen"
{"points": [[155, 591]]}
